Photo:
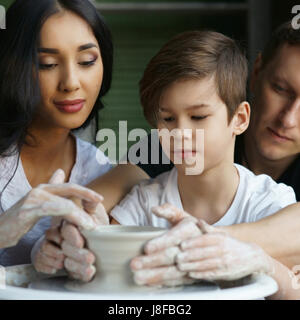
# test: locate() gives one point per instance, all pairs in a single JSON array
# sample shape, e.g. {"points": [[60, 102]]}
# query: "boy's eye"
{"points": [[198, 117], [168, 119]]}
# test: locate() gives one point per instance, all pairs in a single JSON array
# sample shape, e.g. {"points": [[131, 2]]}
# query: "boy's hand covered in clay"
{"points": [[157, 267], [193, 250], [48, 256]]}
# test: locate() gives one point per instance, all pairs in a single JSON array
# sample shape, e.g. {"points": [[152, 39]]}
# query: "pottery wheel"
{"points": [[255, 287]]}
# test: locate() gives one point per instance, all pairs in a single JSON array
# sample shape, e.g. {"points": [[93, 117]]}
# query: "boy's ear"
{"points": [[241, 118], [255, 72]]}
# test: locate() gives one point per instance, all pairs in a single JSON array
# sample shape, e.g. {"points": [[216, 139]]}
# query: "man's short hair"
{"points": [[196, 55], [284, 34]]}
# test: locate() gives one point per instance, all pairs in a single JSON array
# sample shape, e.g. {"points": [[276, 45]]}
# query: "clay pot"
{"points": [[114, 246]]}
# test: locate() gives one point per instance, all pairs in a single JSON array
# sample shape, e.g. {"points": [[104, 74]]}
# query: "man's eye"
{"points": [[278, 88], [285, 92]]}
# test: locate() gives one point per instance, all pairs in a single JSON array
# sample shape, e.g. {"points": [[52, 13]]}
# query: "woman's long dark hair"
{"points": [[19, 87]]}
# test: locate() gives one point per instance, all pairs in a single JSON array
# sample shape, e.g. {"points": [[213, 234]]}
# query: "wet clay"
{"points": [[114, 246]]}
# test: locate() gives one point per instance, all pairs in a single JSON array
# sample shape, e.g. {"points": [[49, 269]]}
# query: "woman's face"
{"points": [[70, 71]]}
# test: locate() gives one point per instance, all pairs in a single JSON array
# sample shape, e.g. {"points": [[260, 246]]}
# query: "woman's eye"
{"points": [[88, 63], [47, 66]]}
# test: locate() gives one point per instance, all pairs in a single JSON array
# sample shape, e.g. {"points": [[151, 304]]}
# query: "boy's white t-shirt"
{"points": [[257, 196]]}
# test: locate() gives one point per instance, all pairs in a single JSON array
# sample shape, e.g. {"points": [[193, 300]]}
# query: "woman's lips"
{"points": [[70, 106]]}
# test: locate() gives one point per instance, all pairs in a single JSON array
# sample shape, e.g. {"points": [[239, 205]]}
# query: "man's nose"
{"points": [[69, 80], [290, 116]]}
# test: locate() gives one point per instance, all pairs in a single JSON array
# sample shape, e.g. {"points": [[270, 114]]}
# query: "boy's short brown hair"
{"points": [[284, 34], [195, 55]]}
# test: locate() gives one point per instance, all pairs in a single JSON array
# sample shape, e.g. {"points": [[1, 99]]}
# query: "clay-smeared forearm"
{"points": [[116, 183], [10, 231], [288, 283], [278, 234]]}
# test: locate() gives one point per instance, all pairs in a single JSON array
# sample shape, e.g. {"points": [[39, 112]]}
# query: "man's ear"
{"points": [[241, 118], [255, 72]]}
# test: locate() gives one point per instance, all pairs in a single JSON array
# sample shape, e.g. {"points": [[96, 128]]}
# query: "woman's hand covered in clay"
{"points": [[79, 260], [65, 247], [48, 200]]}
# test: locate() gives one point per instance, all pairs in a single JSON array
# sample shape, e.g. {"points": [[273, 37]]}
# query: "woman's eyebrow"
{"points": [[56, 51], [48, 50], [87, 46]]}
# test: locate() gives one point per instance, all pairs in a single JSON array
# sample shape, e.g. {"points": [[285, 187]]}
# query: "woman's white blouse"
{"points": [[90, 164]]}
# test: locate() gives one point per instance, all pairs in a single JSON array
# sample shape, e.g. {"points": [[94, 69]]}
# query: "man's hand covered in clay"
{"points": [[193, 250]]}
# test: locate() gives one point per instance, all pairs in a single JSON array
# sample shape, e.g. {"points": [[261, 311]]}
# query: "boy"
{"points": [[197, 81]]}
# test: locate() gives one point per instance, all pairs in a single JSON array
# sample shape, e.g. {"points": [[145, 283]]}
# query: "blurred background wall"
{"points": [[141, 27]]}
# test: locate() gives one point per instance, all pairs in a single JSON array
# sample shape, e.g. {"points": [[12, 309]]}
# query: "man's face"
{"points": [[275, 120]]}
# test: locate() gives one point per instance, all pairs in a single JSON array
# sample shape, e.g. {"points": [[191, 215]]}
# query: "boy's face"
{"points": [[275, 124], [195, 104]]}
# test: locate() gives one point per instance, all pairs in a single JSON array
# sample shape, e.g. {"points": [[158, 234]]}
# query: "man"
{"points": [[271, 145]]}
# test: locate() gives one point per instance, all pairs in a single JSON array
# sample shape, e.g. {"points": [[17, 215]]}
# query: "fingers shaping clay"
{"points": [[114, 246]]}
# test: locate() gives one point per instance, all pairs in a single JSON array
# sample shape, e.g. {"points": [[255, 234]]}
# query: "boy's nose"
{"points": [[181, 135], [182, 128]]}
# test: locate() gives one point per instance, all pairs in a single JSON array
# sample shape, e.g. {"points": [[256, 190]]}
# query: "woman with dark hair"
{"points": [[55, 67]]}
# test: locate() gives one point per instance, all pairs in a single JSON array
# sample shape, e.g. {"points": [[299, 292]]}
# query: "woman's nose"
{"points": [[69, 79]]}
